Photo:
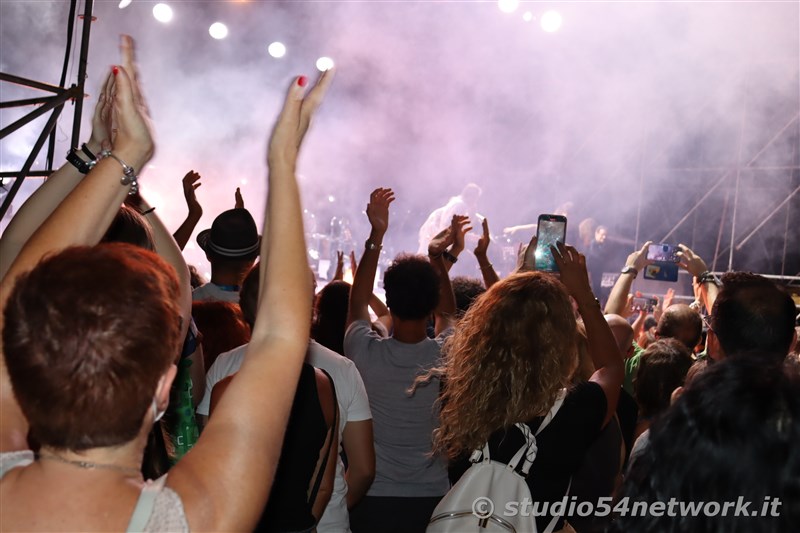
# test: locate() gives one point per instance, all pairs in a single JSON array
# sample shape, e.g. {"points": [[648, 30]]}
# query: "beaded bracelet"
{"points": [[128, 174]]}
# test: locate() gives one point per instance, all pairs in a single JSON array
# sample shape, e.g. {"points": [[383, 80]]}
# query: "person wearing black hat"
{"points": [[231, 246]]}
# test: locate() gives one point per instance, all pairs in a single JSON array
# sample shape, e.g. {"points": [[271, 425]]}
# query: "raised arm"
{"points": [[696, 266], [225, 479], [603, 349], [446, 309], [46, 198], [617, 303], [82, 218], [191, 181], [364, 277], [459, 227], [490, 277]]}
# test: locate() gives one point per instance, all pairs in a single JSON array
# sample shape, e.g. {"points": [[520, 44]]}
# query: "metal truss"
{"points": [[53, 104]]}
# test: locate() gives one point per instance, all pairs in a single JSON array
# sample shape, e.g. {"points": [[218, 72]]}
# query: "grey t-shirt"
{"points": [[403, 423]]}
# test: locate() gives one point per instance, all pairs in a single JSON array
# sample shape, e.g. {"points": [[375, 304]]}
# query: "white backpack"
{"points": [[479, 501]]}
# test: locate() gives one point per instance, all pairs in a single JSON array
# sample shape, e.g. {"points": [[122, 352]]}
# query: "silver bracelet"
{"points": [[128, 174]]}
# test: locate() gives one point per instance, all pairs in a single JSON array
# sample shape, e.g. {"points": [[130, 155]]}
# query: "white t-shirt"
{"points": [[403, 423], [210, 292], [353, 407]]}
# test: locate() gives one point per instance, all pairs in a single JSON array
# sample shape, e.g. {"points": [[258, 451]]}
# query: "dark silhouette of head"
{"points": [[412, 287], [662, 369], [732, 435], [466, 291], [331, 315], [681, 322], [751, 313]]}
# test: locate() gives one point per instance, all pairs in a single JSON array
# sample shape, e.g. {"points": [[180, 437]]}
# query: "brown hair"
{"points": [[222, 328], [510, 355], [88, 333], [662, 368]]}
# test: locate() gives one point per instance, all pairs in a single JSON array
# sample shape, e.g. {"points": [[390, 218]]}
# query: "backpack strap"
{"points": [[145, 504], [529, 449], [532, 448], [320, 472], [551, 526]]}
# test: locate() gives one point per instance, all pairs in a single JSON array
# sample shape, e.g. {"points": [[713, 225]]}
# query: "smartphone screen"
{"points": [[551, 229], [663, 253]]}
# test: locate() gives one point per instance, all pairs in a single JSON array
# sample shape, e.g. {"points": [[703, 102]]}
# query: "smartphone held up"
{"points": [[550, 230], [665, 262]]}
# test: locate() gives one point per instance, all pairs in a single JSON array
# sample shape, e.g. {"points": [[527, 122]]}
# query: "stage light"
{"points": [[277, 49], [162, 12], [218, 30], [527, 16], [551, 21], [508, 6], [124, 3], [331, 198], [324, 63]]}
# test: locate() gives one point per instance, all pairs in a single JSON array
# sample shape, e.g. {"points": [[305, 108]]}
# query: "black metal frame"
{"points": [[53, 104]]}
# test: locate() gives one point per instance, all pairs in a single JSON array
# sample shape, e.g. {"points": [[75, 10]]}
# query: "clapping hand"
{"points": [[459, 227], [131, 136], [295, 117], [484, 240], [440, 242], [238, 201]]}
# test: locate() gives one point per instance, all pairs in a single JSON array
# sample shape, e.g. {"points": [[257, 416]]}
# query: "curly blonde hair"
{"points": [[508, 358]]}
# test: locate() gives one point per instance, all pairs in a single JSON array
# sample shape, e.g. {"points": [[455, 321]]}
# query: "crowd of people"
{"points": [[137, 396]]}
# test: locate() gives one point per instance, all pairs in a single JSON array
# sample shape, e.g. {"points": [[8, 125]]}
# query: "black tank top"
{"points": [[288, 508]]}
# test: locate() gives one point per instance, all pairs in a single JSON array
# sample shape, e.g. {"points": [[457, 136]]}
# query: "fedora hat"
{"points": [[233, 235]]}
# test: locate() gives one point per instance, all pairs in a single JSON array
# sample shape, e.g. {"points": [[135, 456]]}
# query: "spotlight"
{"points": [[124, 3], [527, 16], [162, 13], [324, 63], [277, 49], [508, 6], [218, 30], [551, 21]]}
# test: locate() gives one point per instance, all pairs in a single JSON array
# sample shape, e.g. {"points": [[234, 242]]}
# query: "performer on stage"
{"points": [[465, 203]]}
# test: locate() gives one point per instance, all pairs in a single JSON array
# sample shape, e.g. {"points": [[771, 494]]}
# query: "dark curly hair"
{"points": [[412, 287]]}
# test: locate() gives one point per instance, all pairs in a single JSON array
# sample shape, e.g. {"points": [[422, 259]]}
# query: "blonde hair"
{"points": [[510, 355]]}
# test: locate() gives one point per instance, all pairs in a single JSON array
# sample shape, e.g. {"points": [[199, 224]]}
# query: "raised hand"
{"points": [[440, 242], [638, 259], [295, 117], [132, 138], [484, 240], [339, 275], [353, 263], [459, 227], [191, 181], [100, 138], [378, 209], [238, 200], [574, 276], [668, 298], [528, 255], [690, 261]]}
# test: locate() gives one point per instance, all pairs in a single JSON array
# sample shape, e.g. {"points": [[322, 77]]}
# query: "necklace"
{"points": [[89, 465]]}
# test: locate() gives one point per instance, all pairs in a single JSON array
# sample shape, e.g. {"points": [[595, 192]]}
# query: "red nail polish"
{"points": [[115, 70], [302, 81]]}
